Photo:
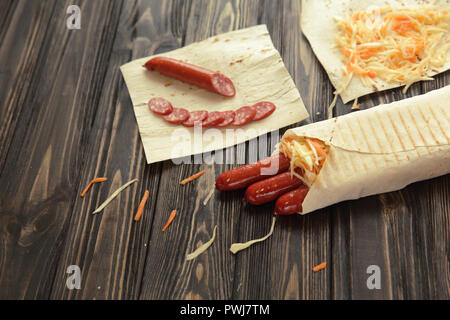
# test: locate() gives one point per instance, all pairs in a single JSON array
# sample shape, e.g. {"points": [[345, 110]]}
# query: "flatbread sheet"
{"points": [[257, 70], [319, 27], [381, 149]]}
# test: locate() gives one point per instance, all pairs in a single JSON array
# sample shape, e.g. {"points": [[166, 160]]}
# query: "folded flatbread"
{"points": [[381, 149], [257, 70], [319, 26]]}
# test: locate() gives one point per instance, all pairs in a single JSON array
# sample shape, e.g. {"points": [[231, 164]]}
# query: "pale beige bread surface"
{"points": [[319, 27], [249, 59], [381, 149]]}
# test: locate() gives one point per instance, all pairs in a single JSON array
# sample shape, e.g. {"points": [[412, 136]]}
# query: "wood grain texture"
{"points": [[66, 117], [21, 37], [299, 243], [210, 275], [104, 256], [42, 167]]}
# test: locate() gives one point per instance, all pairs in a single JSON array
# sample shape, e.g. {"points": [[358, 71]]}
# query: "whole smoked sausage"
{"points": [[244, 176], [189, 73], [270, 189], [291, 202]]}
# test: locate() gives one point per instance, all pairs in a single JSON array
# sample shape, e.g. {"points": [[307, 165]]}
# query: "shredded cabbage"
{"points": [[303, 155], [399, 46]]}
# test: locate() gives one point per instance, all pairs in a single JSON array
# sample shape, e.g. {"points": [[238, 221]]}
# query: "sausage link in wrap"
{"points": [[369, 152]]}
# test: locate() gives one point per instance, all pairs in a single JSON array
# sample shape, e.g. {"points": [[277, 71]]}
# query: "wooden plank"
{"points": [[210, 275], [299, 242], [404, 233], [217, 274], [416, 224], [110, 248], [22, 34], [7, 11], [81, 125], [358, 242], [41, 172]]}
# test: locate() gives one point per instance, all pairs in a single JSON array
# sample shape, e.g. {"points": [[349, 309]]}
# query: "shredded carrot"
{"points": [[349, 30], [172, 216], [321, 266], [96, 180], [195, 176], [318, 148], [371, 73], [347, 52], [141, 206]]}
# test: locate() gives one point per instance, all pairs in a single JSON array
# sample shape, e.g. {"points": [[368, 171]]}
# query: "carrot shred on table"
{"points": [[96, 180], [172, 216], [321, 266], [192, 178], [141, 206]]}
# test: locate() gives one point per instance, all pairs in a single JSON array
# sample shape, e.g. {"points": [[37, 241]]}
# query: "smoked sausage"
{"points": [[160, 106], [246, 175], [270, 189], [291, 202], [178, 115], [228, 119], [214, 118], [196, 118], [263, 110], [189, 73], [244, 115]]}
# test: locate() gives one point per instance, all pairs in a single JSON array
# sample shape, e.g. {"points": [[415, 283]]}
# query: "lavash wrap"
{"points": [[381, 149], [319, 27]]}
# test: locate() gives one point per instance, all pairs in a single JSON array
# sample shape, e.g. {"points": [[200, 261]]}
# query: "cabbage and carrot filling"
{"points": [[307, 154], [399, 46]]}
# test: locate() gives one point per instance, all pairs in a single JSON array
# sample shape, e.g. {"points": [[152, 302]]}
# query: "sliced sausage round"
{"points": [[229, 118], [213, 119], [160, 106], [244, 115], [178, 115], [196, 118], [263, 110]]}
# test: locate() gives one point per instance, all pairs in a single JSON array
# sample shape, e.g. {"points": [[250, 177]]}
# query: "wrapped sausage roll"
{"points": [[369, 152]]}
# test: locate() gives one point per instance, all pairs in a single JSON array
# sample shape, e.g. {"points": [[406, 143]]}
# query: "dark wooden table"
{"points": [[66, 117]]}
